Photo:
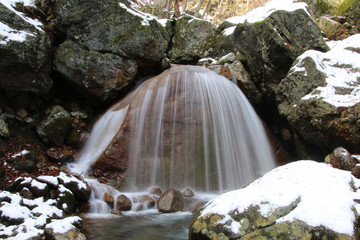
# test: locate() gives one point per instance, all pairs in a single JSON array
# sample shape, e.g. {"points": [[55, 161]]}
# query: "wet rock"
{"points": [[188, 192], [324, 112], [54, 126], [146, 201], [103, 75], [123, 203], [342, 159], [156, 191], [4, 130], [26, 53], [108, 198], [170, 201], [332, 29], [192, 38]]}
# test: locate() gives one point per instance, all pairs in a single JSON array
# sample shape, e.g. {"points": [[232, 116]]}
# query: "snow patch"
{"points": [[320, 187], [63, 225], [145, 17], [259, 14], [23, 152], [10, 5]]}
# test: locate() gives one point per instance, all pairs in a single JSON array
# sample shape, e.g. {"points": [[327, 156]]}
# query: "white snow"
{"points": [[10, 5], [259, 14], [228, 31], [341, 65], [144, 16], [63, 225], [49, 179], [35, 220], [68, 179], [38, 185], [23, 152], [326, 196]]}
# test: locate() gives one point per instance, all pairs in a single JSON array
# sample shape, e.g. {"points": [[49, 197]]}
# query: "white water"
{"points": [[189, 127]]}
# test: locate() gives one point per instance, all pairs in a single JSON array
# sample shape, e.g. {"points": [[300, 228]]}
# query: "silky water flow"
{"points": [[187, 127]]}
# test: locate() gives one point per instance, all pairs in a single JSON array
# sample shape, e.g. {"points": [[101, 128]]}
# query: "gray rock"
{"points": [[270, 45], [111, 27], [95, 74], [171, 201], [4, 130], [322, 111], [54, 126], [25, 63], [192, 38]]}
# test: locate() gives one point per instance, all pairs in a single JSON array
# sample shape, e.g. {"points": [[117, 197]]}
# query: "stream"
{"points": [[149, 225]]}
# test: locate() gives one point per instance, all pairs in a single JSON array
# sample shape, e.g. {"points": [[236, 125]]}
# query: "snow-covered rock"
{"points": [[25, 63], [297, 200], [22, 217], [270, 38], [320, 95]]}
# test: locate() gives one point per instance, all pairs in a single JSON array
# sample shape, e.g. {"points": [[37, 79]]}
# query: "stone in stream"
{"points": [[123, 203], [171, 201]]}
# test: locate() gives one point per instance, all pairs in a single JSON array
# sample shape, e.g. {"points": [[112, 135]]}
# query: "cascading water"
{"points": [[186, 127]]}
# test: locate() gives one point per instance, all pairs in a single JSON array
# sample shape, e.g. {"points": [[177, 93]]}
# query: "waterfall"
{"points": [[185, 127]]}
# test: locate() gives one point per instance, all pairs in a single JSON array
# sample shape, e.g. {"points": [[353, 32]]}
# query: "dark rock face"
{"points": [[192, 38], [108, 43], [270, 46], [318, 96], [25, 62], [54, 126], [109, 26], [171, 201], [93, 73]]}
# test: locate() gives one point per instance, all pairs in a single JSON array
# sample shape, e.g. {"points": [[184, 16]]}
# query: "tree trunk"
{"points": [[176, 9], [207, 8], [185, 5], [199, 7]]}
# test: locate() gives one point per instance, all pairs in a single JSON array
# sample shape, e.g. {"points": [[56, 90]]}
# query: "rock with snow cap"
{"points": [[270, 38], [320, 96], [286, 203], [76, 185], [25, 48]]}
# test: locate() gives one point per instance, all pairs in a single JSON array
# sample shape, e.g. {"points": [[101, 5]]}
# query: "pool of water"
{"points": [[149, 225]]}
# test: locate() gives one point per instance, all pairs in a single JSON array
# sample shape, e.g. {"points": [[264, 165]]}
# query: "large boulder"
{"points": [[98, 75], [25, 51], [300, 200], [270, 38], [105, 43], [191, 40], [320, 96]]}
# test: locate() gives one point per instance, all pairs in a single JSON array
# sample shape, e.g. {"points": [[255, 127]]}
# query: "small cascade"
{"points": [[186, 127]]}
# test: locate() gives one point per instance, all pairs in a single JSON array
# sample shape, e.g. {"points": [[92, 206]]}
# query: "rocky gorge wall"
{"points": [[61, 70], [64, 62]]}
